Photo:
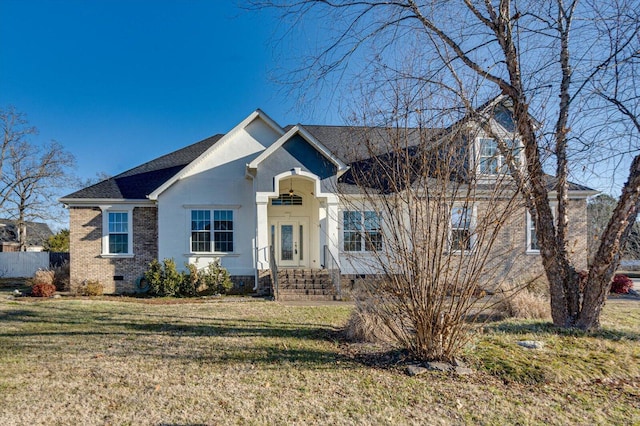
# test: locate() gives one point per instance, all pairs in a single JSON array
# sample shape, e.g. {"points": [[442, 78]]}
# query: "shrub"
{"points": [[164, 279], [61, 277], [621, 284], [213, 279], [43, 276], [91, 288], [43, 289], [189, 283]]}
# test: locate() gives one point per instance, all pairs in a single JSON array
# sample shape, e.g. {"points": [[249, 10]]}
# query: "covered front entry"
{"points": [[290, 239]]}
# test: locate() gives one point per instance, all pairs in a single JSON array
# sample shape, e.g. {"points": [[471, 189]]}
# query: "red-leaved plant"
{"points": [[43, 290], [621, 284]]}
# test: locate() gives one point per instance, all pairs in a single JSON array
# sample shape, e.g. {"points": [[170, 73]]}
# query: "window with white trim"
{"points": [[460, 236], [362, 231], [490, 159], [211, 226], [533, 245], [118, 232], [532, 235]]}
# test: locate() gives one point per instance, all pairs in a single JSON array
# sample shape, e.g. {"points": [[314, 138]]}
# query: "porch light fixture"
{"points": [[291, 188]]}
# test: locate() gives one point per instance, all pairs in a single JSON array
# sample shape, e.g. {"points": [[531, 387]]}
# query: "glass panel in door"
{"points": [[286, 242]]}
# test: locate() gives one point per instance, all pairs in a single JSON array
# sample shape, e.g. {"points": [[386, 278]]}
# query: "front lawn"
{"points": [[238, 360]]}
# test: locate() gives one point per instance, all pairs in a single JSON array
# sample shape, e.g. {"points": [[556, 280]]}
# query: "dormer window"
{"points": [[490, 159]]}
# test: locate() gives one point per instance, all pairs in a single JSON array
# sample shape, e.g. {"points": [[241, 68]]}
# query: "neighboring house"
{"points": [[37, 235], [261, 197]]}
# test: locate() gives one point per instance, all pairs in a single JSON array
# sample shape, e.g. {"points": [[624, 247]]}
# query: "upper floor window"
{"points": [[211, 226], [118, 232], [490, 159], [362, 231], [461, 232]]}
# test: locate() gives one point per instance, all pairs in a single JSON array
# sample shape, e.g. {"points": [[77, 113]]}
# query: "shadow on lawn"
{"points": [[214, 340], [542, 328]]}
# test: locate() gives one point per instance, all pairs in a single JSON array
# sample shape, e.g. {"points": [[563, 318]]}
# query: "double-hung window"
{"points": [[532, 235], [461, 232], [362, 231], [118, 232], [490, 159], [211, 226]]}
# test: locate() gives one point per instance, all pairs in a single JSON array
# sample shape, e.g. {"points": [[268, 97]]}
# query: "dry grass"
{"points": [[525, 300], [366, 325], [243, 361], [44, 276]]}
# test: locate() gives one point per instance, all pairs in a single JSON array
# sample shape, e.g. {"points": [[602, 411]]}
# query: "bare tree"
{"points": [[431, 227], [31, 175], [15, 130], [568, 69]]}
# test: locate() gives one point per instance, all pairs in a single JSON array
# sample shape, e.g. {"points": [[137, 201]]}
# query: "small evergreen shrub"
{"points": [[189, 284], [214, 279], [164, 279], [43, 289], [621, 284]]}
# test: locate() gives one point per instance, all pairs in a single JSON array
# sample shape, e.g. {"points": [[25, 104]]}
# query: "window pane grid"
{"points": [[461, 228], [204, 230], [118, 232], [361, 230]]}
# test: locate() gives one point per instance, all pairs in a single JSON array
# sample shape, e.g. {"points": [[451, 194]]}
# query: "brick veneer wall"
{"points": [[509, 261], [85, 239]]}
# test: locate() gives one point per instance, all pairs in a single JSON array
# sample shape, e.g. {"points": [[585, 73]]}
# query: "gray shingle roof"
{"points": [[37, 232], [140, 181], [354, 145]]}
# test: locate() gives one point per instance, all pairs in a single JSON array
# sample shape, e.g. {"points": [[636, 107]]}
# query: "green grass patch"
{"points": [[244, 361]]}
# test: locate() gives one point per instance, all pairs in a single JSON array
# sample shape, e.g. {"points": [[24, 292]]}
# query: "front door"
{"points": [[290, 243]]}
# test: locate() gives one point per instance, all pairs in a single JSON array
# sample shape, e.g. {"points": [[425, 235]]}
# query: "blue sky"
{"points": [[121, 82]]}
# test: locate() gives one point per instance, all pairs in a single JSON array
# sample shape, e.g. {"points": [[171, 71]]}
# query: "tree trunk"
{"points": [[607, 258]]}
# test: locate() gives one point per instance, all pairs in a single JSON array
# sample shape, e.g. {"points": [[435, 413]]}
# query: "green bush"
{"points": [[164, 279], [189, 284], [214, 279]]}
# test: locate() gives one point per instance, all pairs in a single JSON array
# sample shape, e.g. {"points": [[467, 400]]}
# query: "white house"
{"points": [[258, 198]]}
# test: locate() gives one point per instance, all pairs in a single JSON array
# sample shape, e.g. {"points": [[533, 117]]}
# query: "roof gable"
{"points": [[257, 114], [305, 148]]}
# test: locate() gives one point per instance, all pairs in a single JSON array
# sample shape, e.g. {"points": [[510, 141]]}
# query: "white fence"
{"points": [[22, 264]]}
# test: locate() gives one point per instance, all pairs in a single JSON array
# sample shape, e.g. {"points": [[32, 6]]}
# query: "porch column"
{"points": [[332, 228], [262, 234]]}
